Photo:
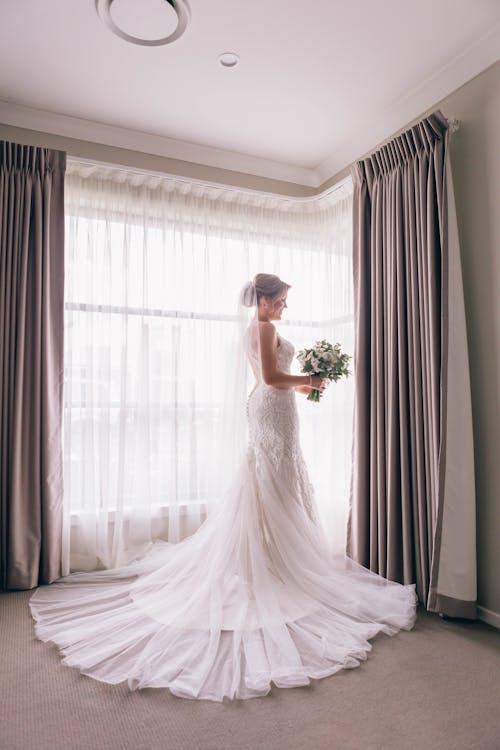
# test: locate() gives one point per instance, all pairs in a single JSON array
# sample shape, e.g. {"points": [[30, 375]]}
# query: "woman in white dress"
{"points": [[253, 597]]}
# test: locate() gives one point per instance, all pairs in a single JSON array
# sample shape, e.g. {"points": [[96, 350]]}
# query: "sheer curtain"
{"points": [[153, 270]]}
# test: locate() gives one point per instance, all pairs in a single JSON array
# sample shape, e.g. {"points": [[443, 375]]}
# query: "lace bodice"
{"points": [[286, 350]]}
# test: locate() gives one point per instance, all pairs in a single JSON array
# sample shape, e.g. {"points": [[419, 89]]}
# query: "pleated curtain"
{"points": [[412, 499], [31, 357]]}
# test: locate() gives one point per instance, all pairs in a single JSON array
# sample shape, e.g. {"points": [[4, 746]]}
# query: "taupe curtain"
{"points": [[412, 500], [31, 357]]}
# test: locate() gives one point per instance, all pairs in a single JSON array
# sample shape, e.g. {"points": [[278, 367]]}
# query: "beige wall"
{"points": [[152, 162], [475, 154], [475, 157]]}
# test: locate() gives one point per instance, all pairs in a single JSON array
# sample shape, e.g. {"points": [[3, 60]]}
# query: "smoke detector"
{"points": [[229, 59]]}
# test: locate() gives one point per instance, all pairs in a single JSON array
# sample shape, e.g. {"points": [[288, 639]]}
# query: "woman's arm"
{"points": [[271, 374]]}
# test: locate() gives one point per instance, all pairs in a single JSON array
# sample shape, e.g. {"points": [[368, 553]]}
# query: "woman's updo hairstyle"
{"points": [[263, 285]]}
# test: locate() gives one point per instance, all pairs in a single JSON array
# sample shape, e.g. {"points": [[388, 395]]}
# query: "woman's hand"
{"points": [[303, 389], [318, 384]]}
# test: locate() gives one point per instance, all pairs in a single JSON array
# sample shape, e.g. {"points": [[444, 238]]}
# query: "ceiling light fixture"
{"points": [[180, 7], [229, 59]]}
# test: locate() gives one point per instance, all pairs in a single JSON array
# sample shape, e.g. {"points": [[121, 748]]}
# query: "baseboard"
{"points": [[487, 615]]}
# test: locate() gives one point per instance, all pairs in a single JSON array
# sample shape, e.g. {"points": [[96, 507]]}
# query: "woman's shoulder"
{"points": [[267, 330], [268, 334]]}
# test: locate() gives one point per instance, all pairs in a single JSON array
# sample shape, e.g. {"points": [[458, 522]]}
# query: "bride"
{"points": [[254, 596]]}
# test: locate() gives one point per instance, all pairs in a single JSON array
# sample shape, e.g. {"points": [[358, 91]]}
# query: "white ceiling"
{"points": [[318, 85]]}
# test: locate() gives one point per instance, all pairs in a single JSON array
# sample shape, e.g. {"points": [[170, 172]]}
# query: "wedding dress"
{"points": [[253, 597]]}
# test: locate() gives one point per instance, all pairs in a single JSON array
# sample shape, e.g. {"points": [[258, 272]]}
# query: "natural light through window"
{"points": [[150, 315]]}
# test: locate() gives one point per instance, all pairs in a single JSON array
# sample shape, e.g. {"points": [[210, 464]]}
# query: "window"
{"points": [[152, 279]]}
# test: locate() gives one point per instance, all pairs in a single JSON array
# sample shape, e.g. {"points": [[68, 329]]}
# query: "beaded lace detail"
{"points": [[274, 433]]}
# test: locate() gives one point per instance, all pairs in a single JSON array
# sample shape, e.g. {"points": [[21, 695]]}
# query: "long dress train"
{"points": [[253, 597]]}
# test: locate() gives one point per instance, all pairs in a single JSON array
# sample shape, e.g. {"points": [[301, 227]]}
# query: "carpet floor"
{"points": [[435, 687]]}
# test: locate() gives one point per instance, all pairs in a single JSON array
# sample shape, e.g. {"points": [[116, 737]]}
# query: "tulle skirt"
{"points": [[252, 598]]}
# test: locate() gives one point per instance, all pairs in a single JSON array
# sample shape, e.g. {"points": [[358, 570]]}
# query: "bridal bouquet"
{"points": [[324, 360]]}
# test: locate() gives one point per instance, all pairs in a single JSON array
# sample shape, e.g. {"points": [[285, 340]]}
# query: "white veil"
{"points": [[241, 373]]}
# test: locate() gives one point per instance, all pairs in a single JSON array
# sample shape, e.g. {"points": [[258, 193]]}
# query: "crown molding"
{"points": [[427, 94], [18, 115]]}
